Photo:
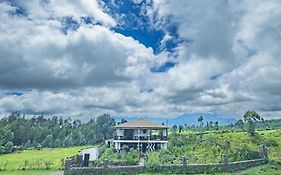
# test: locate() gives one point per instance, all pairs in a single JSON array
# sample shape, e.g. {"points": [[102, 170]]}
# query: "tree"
{"points": [[27, 144], [104, 127], [207, 126], [216, 125], [211, 124], [250, 117], [58, 143], [240, 124], [200, 120], [48, 141], [9, 147], [180, 128], [68, 141], [175, 127], [123, 121]]}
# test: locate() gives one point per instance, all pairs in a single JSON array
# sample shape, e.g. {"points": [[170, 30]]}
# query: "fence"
{"points": [[183, 168]]}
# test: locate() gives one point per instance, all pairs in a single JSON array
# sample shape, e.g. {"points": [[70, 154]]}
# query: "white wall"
{"points": [[92, 151], [120, 132]]}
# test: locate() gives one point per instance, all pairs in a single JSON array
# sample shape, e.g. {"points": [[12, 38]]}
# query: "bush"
{"points": [[107, 155], [271, 143], [153, 161]]}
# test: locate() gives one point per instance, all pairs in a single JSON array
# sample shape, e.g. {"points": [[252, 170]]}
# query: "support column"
{"points": [[138, 139], [165, 145], [119, 146]]}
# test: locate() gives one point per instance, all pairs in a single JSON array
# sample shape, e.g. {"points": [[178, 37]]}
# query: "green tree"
{"points": [[200, 120], [27, 144], [216, 125], [180, 128], [175, 128], [250, 117], [58, 143], [9, 147], [104, 127], [48, 141], [68, 141], [240, 124]]}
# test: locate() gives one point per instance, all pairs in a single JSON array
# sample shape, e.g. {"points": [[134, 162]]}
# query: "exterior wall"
{"points": [[140, 137], [120, 132], [92, 151]]}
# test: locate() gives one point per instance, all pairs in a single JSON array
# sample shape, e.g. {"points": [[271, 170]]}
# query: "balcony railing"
{"points": [[141, 138]]}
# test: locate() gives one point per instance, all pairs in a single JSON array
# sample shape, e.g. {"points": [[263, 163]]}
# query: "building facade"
{"points": [[141, 135]]}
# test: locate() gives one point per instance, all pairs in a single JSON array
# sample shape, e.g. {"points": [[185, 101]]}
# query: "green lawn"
{"points": [[55, 155], [27, 172]]}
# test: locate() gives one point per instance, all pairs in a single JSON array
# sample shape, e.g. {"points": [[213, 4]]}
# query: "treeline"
{"points": [[250, 122], [20, 132]]}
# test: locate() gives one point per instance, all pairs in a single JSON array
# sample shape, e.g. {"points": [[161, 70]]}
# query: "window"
{"points": [[144, 131]]}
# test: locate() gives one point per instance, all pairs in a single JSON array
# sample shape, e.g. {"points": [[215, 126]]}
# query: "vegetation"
{"points": [[249, 118], [269, 169], [109, 156], [31, 143], [18, 132]]}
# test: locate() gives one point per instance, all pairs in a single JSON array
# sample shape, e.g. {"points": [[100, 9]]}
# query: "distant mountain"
{"points": [[189, 119]]}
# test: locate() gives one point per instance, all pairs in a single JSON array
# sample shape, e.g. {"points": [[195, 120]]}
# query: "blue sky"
{"points": [[140, 57]]}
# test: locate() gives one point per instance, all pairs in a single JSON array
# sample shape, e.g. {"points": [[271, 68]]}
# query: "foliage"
{"points": [[153, 160], [109, 156], [210, 148], [38, 131], [9, 146], [249, 118]]}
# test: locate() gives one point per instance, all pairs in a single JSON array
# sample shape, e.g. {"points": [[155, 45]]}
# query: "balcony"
{"points": [[164, 138]]}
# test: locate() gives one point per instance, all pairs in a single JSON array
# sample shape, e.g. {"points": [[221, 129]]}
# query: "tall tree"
{"points": [[200, 120], [250, 117]]}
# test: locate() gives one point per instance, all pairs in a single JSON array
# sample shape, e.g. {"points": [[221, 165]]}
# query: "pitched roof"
{"points": [[141, 123]]}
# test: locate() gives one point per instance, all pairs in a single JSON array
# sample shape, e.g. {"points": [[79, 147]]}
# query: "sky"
{"points": [[153, 58]]}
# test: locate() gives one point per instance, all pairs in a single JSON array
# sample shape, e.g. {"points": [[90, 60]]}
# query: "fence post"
{"points": [[184, 161], [263, 152], [67, 165], [79, 160], [224, 159], [225, 162]]}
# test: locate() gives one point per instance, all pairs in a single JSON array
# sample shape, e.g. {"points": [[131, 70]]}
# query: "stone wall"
{"points": [[72, 167], [184, 169]]}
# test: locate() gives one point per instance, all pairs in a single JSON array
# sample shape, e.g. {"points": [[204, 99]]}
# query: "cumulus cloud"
{"points": [[228, 60], [239, 43]]}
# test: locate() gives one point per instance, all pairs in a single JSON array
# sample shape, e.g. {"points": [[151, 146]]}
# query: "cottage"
{"points": [[141, 135]]}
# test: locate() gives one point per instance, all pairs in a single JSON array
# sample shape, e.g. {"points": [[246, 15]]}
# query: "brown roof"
{"points": [[141, 123]]}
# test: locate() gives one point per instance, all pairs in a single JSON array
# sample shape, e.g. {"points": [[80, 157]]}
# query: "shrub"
{"points": [[130, 157], [271, 142], [153, 161]]}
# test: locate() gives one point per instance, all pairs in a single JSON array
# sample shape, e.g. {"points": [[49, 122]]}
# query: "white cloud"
{"points": [[230, 60], [56, 9]]}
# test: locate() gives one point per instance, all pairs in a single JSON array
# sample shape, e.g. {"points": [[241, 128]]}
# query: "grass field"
{"points": [[272, 138], [55, 155]]}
